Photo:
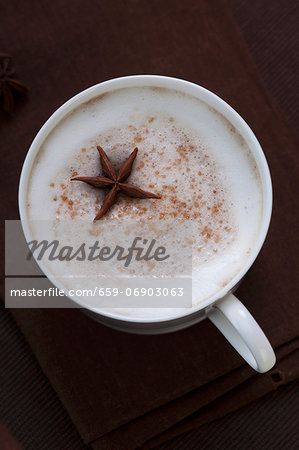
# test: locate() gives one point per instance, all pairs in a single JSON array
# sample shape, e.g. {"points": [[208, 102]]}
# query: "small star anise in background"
{"points": [[8, 83], [115, 181]]}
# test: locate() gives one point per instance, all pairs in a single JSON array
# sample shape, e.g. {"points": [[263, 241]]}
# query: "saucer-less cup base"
{"points": [[226, 312]]}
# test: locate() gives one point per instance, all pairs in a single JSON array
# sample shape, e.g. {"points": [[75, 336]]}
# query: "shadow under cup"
{"points": [[226, 143]]}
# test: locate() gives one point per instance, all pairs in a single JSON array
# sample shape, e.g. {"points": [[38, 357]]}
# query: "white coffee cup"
{"points": [[227, 313]]}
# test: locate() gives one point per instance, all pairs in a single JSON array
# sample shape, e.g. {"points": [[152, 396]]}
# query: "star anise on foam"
{"points": [[115, 181], [8, 83]]}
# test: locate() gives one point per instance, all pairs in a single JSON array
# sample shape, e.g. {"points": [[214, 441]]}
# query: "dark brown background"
{"points": [[30, 408]]}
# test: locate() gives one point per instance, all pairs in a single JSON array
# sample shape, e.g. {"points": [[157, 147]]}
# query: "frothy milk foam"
{"points": [[188, 153]]}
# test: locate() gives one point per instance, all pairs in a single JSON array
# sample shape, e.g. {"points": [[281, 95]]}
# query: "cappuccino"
{"points": [[188, 154]]}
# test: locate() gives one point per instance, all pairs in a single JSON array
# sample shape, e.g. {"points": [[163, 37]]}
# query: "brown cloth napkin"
{"points": [[123, 390], [7, 440]]}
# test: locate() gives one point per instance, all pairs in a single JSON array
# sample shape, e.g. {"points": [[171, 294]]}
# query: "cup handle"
{"points": [[236, 323]]}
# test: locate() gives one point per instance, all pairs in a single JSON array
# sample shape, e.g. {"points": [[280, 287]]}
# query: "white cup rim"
{"points": [[187, 87]]}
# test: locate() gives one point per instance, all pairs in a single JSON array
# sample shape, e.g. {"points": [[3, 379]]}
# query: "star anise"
{"points": [[8, 83], [115, 181]]}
